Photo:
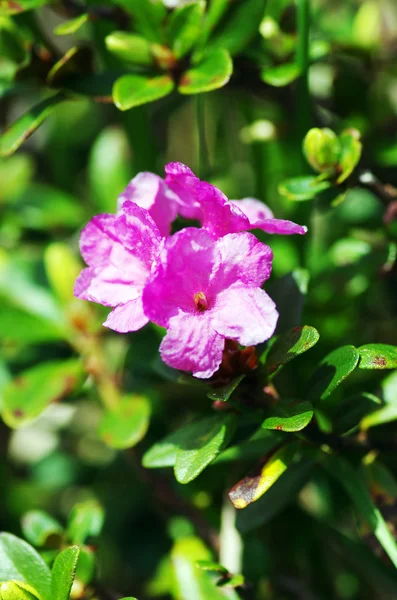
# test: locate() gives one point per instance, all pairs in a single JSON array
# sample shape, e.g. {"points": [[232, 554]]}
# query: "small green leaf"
{"points": [[86, 566], [129, 47], [127, 424], [201, 444], [332, 370], [14, 7], [133, 90], [163, 453], [149, 17], [184, 27], [322, 149], [351, 149], [290, 417], [212, 72], [234, 581], [26, 396], [72, 25], [378, 356], [256, 483], [22, 128], [224, 392], [63, 573], [290, 345], [85, 521], [350, 479], [302, 188], [281, 75], [20, 562], [209, 565], [40, 529]]}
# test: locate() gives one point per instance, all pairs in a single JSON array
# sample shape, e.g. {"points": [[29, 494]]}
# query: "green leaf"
{"points": [[129, 47], [201, 444], [109, 168], [20, 562], [163, 453], [281, 75], [14, 7], [63, 573], [133, 90], [26, 396], [12, 44], [17, 133], [40, 529], [282, 493], [332, 370], [386, 414], [289, 345], [302, 188], [86, 566], [260, 480], [209, 565], [350, 479], [85, 521], [127, 424], [259, 444], [17, 590], [351, 149], [72, 25], [149, 17], [224, 392], [76, 61], [378, 356], [290, 417], [214, 12], [184, 27], [211, 73], [322, 149]]}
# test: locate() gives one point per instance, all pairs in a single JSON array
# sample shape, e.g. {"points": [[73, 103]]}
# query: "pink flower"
{"points": [[150, 191], [218, 215], [204, 291], [119, 251]]}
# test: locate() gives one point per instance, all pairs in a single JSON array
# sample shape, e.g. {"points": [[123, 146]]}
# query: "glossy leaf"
{"points": [[378, 356], [20, 562], [26, 396], [332, 371], [40, 529], [302, 188], [351, 149], [127, 424], [201, 444], [350, 479], [129, 47], [184, 27], [256, 483], [224, 392], [85, 521], [213, 72], [72, 25], [290, 345], [17, 133], [63, 573], [281, 75], [289, 417], [134, 90], [17, 590]]}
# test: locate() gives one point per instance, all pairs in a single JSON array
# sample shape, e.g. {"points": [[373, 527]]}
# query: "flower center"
{"points": [[200, 301]]}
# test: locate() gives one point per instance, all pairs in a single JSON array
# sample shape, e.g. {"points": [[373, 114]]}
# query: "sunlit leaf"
{"points": [[63, 573], [302, 188], [213, 72], [351, 149], [224, 392], [290, 345], [129, 47], [85, 521], [127, 424], [378, 356], [289, 417], [332, 371], [280, 75], [149, 17], [72, 25], [41, 529], [134, 90], [184, 27]]}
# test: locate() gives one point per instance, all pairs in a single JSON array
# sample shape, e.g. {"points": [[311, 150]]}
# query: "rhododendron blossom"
{"points": [[119, 251], [205, 291]]}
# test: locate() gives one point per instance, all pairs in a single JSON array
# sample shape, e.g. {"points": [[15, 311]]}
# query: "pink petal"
{"points": [[254, 209], [127, 317], [149, 191], [138, 233], [191, 344], [188, 264], [97, 239], [244, 258], [280, 226], [104, 285], [183, 182], [220, 216], [247, 315]]}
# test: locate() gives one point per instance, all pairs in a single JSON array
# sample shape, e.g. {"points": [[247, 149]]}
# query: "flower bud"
{"points": [[17, 590], [322, 149]]}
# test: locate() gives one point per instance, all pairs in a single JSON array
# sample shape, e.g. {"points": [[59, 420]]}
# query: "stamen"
{"points": [[200, 301]]}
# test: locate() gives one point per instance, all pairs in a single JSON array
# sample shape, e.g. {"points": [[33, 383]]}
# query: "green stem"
{"points": [[303, 61], [202, 150]]}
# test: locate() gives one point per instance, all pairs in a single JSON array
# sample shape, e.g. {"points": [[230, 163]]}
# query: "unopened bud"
{"points": [[18, 590], [322, 149]]}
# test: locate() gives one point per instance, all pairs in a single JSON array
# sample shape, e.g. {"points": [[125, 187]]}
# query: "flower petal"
{"points": [[280, 226], [127, 317], [220, 216], [104, 285], [191, 344], [247, 315], [254, 209], [188, 263], [183, 182], [97, 239], [149, 191], [138, 233], [244, 258], [261, 217]]}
